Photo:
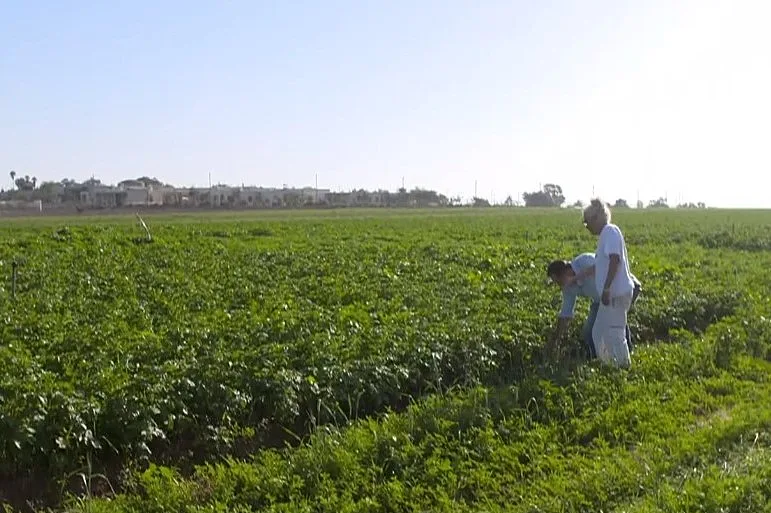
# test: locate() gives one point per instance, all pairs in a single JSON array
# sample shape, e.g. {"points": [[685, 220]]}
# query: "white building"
{"points": [[102, 196], [222, 196]]}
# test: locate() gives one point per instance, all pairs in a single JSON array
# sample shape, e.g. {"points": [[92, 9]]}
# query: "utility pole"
{"points": [[475, 189], [316, 200]]}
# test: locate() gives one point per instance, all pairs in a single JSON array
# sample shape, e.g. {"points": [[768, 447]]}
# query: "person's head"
{"points": [[596, 216], [559, 271]]}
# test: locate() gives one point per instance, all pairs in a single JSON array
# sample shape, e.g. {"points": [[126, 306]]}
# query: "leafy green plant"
{"points": [[230, 336]]}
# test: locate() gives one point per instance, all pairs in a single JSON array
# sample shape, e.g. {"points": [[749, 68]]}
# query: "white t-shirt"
{"points": [[611, 242]]}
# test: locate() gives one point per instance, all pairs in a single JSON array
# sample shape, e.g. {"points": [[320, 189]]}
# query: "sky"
{"points": [[617, 99]]}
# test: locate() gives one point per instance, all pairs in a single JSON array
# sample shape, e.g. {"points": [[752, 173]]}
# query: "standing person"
{"points": [[576, 279], [614, 285]]}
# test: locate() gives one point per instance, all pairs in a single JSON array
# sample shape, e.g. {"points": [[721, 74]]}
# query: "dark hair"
{"points": [[557, 267]]}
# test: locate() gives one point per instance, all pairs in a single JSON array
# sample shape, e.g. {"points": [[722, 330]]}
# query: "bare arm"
{"points": [[612, 269], [565, 315]]}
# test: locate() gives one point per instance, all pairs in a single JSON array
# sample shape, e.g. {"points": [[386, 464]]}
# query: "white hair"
{"points": [[597, 209]]}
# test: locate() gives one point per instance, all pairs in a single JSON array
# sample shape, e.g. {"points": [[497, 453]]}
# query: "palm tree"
{"points": [[13, 177]]}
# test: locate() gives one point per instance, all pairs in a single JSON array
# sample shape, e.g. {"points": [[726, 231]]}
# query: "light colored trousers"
{"points": [[609, 331]]}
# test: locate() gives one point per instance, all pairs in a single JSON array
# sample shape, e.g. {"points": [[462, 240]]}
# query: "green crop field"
{"points": [[378, 361]]}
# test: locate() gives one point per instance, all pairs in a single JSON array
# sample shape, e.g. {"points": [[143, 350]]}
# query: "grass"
{"points": [[603, 440], [398, 354]]}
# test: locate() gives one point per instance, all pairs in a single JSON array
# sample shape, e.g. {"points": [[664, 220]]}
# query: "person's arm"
{"points": [[615, 259], [565, 315], [612, 248]]}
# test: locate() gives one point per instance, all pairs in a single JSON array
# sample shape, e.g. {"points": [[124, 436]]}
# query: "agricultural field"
{"points": [[378, 361]]}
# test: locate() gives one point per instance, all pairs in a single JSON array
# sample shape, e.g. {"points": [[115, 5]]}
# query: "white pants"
{"points": [[609, 332]]}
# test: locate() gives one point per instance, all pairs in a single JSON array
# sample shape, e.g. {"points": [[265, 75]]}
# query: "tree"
{"points": [[549, 196], [692, 205], [142, 181], [509, 202], [481, 202], [578, 204], [621, 203], [401, 198], [13, 176], [361, 197], [423, 197], [26, 183], [659, 203], [49, 192]]}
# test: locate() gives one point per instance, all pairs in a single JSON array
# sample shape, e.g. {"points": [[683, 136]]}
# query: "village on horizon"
{"points": [[27, 193]]}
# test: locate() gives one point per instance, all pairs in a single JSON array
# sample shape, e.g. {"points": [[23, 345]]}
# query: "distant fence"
{"points": [[19, 208], [16, 207]]}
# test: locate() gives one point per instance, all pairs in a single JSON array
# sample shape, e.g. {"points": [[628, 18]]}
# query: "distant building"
{"points": [[263, 197], [222, 196], [125, 195], [102, 196], [136, 196], [145, 192]]}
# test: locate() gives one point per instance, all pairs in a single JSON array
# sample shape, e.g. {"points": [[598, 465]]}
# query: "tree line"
{"points": [[551, 195]]}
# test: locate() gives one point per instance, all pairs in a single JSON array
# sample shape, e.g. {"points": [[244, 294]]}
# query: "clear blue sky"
{"points": [[656, 96]]}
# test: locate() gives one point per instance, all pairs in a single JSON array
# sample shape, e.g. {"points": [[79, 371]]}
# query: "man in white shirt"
{"points": [[614, 285]]}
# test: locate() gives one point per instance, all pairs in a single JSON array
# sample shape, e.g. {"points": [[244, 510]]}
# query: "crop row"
{"points": [[597, 439], [219, 338]]}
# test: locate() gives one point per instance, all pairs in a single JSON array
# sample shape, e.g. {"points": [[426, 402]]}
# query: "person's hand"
{"points": [[606, 297]]}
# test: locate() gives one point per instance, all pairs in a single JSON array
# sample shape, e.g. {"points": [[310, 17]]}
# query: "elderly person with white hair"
{"points": [[614, 284]]}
